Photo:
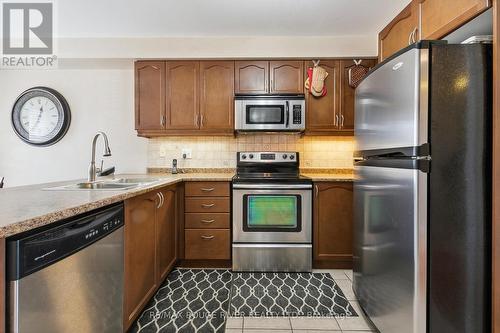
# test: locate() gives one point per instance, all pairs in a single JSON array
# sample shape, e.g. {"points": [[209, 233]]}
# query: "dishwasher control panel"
{"points": [[104, 228], [35, 251]]}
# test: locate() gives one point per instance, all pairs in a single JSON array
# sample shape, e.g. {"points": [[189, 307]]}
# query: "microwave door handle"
{"points": [[287, 113]]}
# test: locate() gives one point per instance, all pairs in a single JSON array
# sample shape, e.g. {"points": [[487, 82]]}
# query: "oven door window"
{"points": [[265, 114], [271, 213]]}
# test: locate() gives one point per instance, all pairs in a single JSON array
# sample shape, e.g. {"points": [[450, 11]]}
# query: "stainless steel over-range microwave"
{"points": [[268, 113]]}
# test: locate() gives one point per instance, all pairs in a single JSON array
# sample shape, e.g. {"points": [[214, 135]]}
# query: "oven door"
{"points": [[272, 213]]}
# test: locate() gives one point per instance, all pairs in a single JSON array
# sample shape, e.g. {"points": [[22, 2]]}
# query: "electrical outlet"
{"points": [[187, 152]]}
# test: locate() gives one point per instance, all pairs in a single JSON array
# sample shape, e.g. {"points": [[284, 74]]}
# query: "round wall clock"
{"points": [[41, 116]]}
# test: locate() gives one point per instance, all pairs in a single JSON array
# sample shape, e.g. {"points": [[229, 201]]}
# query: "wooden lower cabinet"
{"points": [[332, 225], [207, 220], [150, 247], [208, 244], [166, 251], [203, 189], [140, 254], [207, 231], [207, 205]]}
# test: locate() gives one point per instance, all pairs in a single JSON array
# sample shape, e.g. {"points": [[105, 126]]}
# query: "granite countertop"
{"points": [[329, 177], [27, 207]]}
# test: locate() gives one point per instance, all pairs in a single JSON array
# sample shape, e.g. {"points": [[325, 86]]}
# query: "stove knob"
{"points": [[251, 155], [292, 157], [285, 156], [243, 157]]}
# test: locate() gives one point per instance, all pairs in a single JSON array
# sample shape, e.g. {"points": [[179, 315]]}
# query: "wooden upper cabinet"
{"points": [[440, 17], [216, 95], [182, 95], [332, 225], [322, 112], [286, 77], [166, 230], [140, 254], [149, 95], [347, 93], [400, 32], [251, 77]]}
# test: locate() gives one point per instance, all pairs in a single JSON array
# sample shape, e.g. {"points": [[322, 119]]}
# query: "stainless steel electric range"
{"points": [[272, 213]]}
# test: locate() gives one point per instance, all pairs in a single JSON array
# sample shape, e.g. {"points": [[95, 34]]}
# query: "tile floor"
{"points": [[308, 325]]}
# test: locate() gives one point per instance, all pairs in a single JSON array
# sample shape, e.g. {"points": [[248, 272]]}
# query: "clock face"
{"points": [[41, 116]]}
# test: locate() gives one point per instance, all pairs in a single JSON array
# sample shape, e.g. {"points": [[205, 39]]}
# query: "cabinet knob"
{"points": [[207, 221], [207, 189]]}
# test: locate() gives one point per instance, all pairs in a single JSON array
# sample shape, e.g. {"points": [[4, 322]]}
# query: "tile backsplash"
{"points": [[220, 152]]}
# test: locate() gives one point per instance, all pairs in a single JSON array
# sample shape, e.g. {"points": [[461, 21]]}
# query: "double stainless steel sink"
{"points": [[110, 185]]}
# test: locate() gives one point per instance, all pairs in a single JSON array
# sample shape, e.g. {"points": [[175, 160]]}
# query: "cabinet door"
{"points": [[322, 112], [286, 77], [440, 17], [251, 77], [333, 215], [217, 94], [140, 254], [166, 230], [346, 119], [182, 95], [149, 95], [400, 32]]}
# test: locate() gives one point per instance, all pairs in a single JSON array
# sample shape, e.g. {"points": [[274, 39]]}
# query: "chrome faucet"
{"points": [[107, 152]]}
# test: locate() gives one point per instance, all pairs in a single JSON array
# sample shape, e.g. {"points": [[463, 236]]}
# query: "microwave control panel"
{"points": [[297, 114]]}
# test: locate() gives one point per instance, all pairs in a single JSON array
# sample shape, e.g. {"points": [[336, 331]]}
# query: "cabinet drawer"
{"points": [[207, 220], [203, 189], [207, 244], [207, 205]]}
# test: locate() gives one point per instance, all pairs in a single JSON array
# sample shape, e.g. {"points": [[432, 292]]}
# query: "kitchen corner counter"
{"points": [[28, 207], [328, 175]]}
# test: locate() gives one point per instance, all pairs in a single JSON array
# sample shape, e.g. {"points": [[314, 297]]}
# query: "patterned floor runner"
{"points": [[190, 300], [198, 300], [287, 294]]}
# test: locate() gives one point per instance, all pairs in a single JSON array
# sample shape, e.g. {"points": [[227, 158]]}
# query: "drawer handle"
{"points": [[207, 221], [207, 189], [207, 205], [207, 237]]}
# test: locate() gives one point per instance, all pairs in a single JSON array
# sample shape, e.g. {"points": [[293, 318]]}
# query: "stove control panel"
{"points": [[268, 157]]}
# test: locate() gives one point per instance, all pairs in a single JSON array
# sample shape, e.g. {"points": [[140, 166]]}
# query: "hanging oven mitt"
{"points": [[356, 73], [315, 81]]}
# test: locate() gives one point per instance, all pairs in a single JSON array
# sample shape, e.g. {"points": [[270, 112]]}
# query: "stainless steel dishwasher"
{"points": [[68, 278]]}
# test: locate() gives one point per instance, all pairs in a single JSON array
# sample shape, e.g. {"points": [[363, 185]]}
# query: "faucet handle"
{"points": [[99, 169]]}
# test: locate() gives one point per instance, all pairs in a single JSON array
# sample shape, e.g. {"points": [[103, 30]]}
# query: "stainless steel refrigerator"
{"points": [[422, 190]]}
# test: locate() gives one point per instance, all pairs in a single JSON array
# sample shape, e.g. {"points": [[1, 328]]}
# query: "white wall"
{"points": [[100, 99], [219, 47]]}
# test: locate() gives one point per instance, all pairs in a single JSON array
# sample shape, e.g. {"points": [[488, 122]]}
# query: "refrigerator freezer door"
{"points": [[390, 252], [391, 103]]}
